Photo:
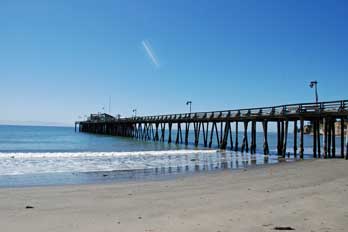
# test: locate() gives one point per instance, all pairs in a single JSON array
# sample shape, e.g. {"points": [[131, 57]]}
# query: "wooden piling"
{"points": [[245, 145], [223, 143], [301, 138], [163, 131], [282, 136], [278, 137], [170, 132], [285, 137], [329, 137], [231, 135], [318, 138], [342, 137], [156, 132], [325, 137], [217, 134], [295, 138], [253, 137], [236, 142], [265, 137], [205, 134], [211, 135], [333, 138], [187, 127], [314, 124]]}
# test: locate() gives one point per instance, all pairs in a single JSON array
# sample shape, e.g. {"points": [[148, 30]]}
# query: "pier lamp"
{"points": [[135, 112], [189, 103], [314, 84]]}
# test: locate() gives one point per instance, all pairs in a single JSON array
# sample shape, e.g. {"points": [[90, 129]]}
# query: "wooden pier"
{"points": [[223, 127]]}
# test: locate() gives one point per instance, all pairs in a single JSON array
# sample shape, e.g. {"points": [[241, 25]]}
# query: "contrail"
{"points": [[150, 53]]}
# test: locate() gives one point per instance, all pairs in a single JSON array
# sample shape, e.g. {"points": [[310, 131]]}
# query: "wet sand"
{"points": [[307, 196]]}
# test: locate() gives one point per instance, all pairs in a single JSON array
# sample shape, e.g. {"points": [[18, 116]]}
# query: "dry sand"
{"points": [[307, 196]]}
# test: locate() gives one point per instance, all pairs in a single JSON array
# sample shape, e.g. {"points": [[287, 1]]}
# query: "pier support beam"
{"points": [[163, 131], [314, 124], [265, 137], [301, 138], [178, 134], [245, 145], [253, 137], [223, 144], [318, 138], [156, 132], [278, 137], [295, 138], [285, 137], [236, 142], [231, 135], [205, 134], [333, 138], [325, 137], [187, 127], [342, 137], [329, 137], [170, 132]]}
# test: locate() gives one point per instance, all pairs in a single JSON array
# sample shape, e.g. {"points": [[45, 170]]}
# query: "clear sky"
{"points": [[62, 59]]}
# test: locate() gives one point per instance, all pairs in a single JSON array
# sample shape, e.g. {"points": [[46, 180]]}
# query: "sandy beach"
{"points": [[306, 196]]}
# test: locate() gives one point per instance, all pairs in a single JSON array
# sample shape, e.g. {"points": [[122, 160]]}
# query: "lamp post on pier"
{"points": [[314, 85], [189, 103], [135, 112]]}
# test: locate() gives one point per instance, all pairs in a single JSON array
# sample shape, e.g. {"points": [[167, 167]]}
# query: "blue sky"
{"points": [[62, 59]]}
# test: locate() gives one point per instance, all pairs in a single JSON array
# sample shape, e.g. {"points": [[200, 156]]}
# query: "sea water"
{"points": [[42, 155]]}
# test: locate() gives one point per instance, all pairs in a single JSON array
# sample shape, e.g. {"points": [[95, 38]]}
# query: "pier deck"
{"points": [[218, 125]]}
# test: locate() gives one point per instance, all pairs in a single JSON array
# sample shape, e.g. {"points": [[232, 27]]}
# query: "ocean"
{"points": [[43, 155]]}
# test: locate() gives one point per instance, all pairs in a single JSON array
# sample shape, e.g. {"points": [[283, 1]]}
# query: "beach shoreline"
{"points": [[309, 195]]}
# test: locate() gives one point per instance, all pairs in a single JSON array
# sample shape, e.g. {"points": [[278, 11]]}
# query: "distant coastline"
{"points": [[34, 123]]}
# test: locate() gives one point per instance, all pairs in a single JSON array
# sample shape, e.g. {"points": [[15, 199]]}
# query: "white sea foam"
{"points": [[53, 162], [26, 155]]}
